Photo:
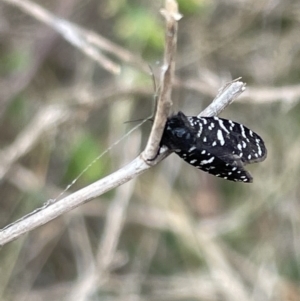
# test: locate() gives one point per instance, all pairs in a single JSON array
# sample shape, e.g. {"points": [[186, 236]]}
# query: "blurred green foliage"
{"points": [[150, 35], [82, 155], [14, 61], [193, 7]]}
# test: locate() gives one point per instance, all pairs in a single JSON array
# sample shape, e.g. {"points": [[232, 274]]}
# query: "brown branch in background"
{"points": [[46, 119], [42, 43], [207, 84], [263, 95], [85, 40]]}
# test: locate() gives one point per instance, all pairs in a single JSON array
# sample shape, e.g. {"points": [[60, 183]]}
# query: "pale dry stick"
{"points": [[47, 119], [182, 286], [266, 279], [70, 32], [164, 102], [133, 285], [27, 181], [119, 52], [264, 95], [226, 277], [107, 248], [121, 176], [85, 259], [225, 97], [257, 95]]}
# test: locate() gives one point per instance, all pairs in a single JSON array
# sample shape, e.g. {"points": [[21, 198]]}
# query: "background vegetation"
{"points": [[174, 233]]}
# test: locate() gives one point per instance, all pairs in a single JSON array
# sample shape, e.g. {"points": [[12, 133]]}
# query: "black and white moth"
{"points": [[218, 146]]}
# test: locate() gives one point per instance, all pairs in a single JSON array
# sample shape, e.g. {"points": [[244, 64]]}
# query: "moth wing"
{"points": [[225, 165]]}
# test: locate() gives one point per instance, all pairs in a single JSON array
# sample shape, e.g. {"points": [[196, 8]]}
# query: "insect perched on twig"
{"points": [[218, 146]]}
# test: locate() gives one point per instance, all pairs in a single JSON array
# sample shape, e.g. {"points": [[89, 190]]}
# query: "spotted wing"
{"points": [[218, 146], [223, 147], [229, 167]]}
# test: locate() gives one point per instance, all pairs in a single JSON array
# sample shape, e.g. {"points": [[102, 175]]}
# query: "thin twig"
{"points": [[164, 102], [225, 97]]}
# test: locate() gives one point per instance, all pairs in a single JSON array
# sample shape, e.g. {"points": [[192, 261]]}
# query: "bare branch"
{"points": [[51, 211], [164, 104], [225, 97]]}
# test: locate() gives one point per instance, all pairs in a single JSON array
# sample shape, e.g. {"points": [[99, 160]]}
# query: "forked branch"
{"points": [[51, 210]]}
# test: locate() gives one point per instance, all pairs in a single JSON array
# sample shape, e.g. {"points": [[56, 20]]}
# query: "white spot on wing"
{"points": [[243, 131], [200, 129], [203, 162], [221, 123], [191, 149], [258, 146], [220, 137]]}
